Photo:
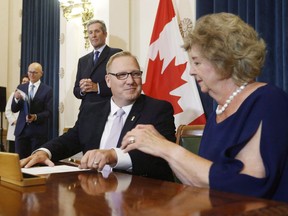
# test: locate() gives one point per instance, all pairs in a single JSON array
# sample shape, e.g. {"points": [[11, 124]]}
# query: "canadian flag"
{"points": [[167, 74]]}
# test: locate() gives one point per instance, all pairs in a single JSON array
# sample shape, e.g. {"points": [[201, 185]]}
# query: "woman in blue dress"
{"points": [[244, 148]]}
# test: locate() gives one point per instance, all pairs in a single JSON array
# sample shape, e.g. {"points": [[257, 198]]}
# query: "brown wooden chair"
{"points": [[189, 136]]}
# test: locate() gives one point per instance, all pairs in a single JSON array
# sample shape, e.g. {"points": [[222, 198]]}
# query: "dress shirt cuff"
{"points": [[98, 92], [45, 150], [124, 160]]}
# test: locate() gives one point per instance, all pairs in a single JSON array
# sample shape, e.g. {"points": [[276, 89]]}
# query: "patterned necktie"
{"points": [[116, 129], [95, 57]]}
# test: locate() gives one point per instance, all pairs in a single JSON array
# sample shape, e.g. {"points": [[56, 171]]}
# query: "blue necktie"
{"points": [[30, 98], [31, 92], [95, 57]]}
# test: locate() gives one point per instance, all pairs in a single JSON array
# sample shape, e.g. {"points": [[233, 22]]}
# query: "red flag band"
{"points": [[167, 74]]}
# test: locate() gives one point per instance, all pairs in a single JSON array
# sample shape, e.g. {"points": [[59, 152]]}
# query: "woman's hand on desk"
{"points": [[39, 157]]}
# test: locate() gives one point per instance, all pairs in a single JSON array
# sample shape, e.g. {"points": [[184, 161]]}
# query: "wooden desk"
{"points": [[88, 193]]}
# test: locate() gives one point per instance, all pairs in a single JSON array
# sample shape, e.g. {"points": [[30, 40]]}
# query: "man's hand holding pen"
{"points": [[74, 161], [96, 159]]}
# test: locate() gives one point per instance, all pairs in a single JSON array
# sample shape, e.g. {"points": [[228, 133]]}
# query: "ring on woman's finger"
{"points": [[96, 163], [131, 140]]}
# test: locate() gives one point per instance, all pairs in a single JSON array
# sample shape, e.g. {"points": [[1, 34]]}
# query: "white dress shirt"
{"points": [[124, 160], [36, 86]]}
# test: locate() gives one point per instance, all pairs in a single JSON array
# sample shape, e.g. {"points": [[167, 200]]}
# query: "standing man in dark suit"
{"points": [[34, 101], [90, 82], [91, 131]]}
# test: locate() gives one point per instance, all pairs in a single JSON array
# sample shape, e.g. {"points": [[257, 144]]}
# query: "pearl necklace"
{"points": [[231, 97]]}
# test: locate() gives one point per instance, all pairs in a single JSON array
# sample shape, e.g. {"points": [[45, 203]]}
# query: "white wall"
{"points": [[10, 25], [4, 15]]}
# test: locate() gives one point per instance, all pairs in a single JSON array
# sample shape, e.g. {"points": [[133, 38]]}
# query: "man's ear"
{"points": [[107, 79]]}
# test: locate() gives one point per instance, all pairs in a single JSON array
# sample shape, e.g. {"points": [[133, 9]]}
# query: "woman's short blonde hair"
{"points": [[232, 46]]}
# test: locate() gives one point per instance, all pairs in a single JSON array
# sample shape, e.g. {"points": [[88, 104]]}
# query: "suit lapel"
{"points": [[26, 102], [92, 121], [102, 57], [102, 119], [90, 60], [37, 92], [132, 118], [89, 64]]}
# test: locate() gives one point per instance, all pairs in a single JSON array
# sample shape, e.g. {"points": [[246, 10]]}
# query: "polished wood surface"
{"points": [[89, 193]]}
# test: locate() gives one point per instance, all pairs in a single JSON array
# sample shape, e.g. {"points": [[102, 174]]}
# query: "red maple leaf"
{"points": [[159, 85]]}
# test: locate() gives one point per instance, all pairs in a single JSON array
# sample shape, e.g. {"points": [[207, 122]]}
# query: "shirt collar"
{"points": [[100, 49], [115, 108], [36, 84]]}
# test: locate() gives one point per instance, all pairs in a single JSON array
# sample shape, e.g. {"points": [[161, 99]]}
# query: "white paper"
{"points": [[48, 170]]}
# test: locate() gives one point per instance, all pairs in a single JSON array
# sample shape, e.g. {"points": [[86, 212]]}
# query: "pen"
{"points": [[75, 161]]}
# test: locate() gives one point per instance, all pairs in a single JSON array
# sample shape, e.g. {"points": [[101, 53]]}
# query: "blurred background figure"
{"points": [[90, 84], [34, 101], [12, 119]]}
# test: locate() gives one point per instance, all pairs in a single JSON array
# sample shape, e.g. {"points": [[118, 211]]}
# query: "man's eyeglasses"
{"points": [[33, 72], [124, 75]]}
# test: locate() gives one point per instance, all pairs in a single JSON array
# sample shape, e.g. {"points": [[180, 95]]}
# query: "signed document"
{"points": [[47, 170]]}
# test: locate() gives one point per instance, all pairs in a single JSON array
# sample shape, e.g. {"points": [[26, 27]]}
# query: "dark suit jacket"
{"points": [[41, 105], [87, 133], [96, 73]]}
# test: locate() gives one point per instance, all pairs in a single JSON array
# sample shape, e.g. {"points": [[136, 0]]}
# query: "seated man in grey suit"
{"points": [[91, 131]]}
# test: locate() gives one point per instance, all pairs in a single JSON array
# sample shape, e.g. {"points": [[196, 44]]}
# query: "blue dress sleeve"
{"points": [[222, 141]]}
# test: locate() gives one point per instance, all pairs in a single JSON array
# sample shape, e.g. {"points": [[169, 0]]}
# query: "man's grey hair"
{"points": [[101, 22]]}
